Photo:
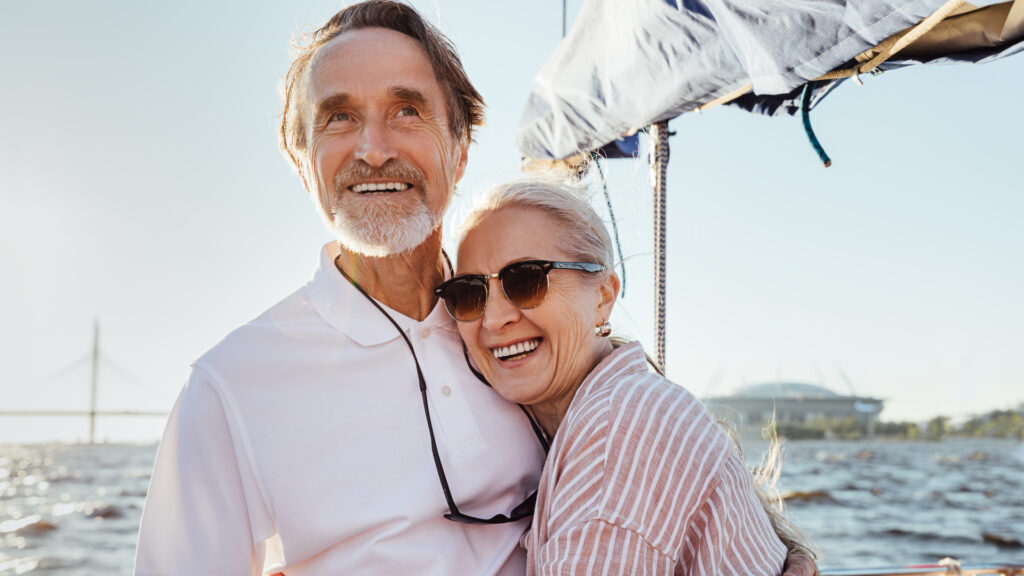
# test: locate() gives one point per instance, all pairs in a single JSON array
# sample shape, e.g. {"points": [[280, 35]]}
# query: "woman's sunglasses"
{"points": [[525, 284]]}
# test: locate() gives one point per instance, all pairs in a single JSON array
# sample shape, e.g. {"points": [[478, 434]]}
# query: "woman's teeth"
{"points": [[516, 351], [381, 187]]}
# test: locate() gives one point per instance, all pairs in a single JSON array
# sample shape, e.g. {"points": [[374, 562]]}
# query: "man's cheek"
{"points": [[323, 190]]}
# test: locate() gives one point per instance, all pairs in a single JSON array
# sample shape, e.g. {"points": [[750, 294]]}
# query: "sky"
{"points": [[141, 185]]}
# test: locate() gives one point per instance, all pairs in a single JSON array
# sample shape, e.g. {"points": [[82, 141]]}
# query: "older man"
{"points": [[342, 431], [312, 440]]}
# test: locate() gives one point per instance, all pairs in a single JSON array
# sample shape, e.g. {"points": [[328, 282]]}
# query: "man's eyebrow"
{"points": [[334, 101], [328, 104], [410, 95]]}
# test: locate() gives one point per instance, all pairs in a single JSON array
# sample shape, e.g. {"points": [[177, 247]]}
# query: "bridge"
{"points": [[94, 359]]}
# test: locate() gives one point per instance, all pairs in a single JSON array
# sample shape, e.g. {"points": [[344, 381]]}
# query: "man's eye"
{"points": [[408, 111], [340, 117]]}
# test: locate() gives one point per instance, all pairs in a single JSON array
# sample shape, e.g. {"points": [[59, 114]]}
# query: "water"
{"points": [[896, 503], [71, 509], [74, 509]]}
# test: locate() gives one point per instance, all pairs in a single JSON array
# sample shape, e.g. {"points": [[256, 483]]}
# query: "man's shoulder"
{"points": [[270, 334]]}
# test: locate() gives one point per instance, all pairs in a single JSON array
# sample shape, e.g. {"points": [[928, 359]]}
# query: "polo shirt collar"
{"points": [[341, 305]]}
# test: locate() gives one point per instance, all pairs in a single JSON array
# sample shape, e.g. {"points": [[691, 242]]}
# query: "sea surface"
{"points": [[73, 509]]}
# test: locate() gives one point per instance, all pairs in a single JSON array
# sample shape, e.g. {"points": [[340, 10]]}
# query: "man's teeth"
{"points": [[380, 187], [506, 352]]}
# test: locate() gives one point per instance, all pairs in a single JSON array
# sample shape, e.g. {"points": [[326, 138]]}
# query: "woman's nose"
{"points": [[498, 311]]}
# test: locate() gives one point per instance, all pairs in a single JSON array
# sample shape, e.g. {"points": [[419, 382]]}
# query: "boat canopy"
{"points": [[626, 65]]}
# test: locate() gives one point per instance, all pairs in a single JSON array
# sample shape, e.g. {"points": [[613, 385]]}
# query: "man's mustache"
{"points": [[393, 170]]}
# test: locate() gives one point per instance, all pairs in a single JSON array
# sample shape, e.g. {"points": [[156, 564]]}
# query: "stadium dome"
{"points": [[797, 409], [784, 390]]}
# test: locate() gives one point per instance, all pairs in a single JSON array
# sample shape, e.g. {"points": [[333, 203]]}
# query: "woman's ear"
{"points": [[608, 292]]}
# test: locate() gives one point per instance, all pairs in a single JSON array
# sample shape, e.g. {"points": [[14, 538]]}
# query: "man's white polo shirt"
{"points": [[299, 444]]}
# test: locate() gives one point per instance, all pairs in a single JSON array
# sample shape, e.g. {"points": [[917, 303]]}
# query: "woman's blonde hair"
{"points": [[582, 233]]}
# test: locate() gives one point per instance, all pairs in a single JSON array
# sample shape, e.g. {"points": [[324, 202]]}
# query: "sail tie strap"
{"points": [[805, 115]]}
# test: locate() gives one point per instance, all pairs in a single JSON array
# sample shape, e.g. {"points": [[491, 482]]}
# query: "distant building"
{"points": [[794, 404]]}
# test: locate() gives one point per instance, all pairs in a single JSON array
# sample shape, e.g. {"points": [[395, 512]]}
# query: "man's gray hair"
{"points": [[464, 104]]}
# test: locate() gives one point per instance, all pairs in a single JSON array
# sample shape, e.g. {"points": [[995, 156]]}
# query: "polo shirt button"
{"points": [[425, 333], [446, 390]]}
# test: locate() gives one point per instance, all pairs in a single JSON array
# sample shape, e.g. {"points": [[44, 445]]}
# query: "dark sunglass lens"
{"points": [[465, 298], [525, 285]]}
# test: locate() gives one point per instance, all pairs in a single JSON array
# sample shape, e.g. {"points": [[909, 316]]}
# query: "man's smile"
{"points": [[379, 187]]}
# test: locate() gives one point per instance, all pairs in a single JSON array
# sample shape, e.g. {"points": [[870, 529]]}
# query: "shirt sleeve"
{"points": [[731, 534], [195, 520], [597, 547], [666, 495], [632, 482]]}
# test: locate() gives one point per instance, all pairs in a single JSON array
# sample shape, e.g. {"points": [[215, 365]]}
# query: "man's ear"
{"points": [[463, 152], [306, 174]]}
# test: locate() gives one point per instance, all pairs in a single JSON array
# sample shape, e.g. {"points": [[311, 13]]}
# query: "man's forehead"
{"points": [[370, 58]]}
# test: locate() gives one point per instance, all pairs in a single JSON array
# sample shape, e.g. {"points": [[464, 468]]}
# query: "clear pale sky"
{"points": [[141, 184]]}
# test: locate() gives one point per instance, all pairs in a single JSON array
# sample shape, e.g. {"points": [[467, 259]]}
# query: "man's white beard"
{"points": [[380, 225]]}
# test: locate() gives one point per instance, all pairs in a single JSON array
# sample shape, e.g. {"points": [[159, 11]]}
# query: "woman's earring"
{"points": [[604, 330]]}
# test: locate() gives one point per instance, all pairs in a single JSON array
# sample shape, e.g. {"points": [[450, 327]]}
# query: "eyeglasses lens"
{"points": [[525, 285], [465, 298]]}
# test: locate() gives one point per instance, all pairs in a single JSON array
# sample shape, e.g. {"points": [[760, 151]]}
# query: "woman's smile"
{"points": [[515, 351]]}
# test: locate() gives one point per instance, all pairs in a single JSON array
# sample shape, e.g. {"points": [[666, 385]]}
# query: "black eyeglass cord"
{"points": [[454, 510]]}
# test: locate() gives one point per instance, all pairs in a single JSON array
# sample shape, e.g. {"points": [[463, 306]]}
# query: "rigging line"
{"points": [[615, 225], [437, 14], [563, 18], [49, 379]]}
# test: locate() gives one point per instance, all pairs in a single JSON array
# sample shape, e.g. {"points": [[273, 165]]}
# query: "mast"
{"points": [[95, 378]]}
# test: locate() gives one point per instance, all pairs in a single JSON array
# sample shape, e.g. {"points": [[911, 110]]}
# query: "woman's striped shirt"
{"points": [[641, 479]]}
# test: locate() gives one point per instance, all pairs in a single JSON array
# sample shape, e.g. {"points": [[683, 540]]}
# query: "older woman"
{"points": [[640, 479]]}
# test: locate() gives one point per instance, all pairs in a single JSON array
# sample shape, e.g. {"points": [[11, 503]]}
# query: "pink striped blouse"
{"points": [[640, 479]]}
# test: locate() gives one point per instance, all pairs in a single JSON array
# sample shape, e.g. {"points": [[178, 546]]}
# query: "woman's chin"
{"points": [[519, 386], [521, 378]]}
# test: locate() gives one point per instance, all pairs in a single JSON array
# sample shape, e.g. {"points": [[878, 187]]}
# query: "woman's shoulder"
{"points": [[660, 450], [644, 409], [638, 407]]}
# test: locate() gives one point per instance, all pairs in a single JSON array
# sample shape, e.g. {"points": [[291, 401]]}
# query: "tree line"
{"points": [[1006, 424]]}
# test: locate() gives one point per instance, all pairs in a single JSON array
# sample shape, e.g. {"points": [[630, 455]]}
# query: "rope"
{"points": [[908, 38], [659, 168], [805, 115], [615, 225], [895, 44], [726, 98], [886, 50], [563, 18]]}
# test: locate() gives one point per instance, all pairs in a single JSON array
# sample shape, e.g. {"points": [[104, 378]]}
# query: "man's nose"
{"points": [[375, 146], [498, 311]]}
